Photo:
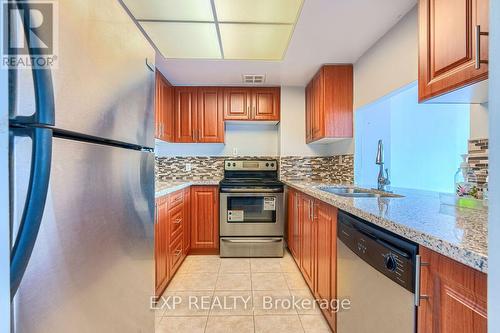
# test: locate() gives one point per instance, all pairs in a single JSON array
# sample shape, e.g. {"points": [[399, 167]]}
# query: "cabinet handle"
{"points": [[418, 266], [178, 253], [178, 221], [479, 33]]}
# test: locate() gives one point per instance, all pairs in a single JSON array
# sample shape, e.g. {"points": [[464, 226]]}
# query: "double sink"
{"points": [[354, 192]]}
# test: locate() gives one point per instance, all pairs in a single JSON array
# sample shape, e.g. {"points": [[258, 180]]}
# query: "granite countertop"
{"points": [[166, 187], [458, 233]]}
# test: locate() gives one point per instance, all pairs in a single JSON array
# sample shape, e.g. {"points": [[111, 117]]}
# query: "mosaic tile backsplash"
{"points": [[202, 168], [333, 169], [478, 159]]}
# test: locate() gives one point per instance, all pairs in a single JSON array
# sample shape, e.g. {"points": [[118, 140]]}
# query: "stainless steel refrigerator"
{"points": [[81, 178]]}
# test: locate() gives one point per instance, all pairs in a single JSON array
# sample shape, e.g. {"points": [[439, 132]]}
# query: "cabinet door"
{"points": [[167, 112], [266, 104], [187, 219], [158, 105], [309, 111], [293, 236], [456, 296], [447, 45], [205, 217], [185, 114], [325, 218], [317, 117], [210, 127], [307, 239], [161, 246], [237, 103]]}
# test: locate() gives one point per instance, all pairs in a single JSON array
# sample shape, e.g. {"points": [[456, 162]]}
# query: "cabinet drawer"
{"points": [[176, 254], [176, 220], [175, 199]]}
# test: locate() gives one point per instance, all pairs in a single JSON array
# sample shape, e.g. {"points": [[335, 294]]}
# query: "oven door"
{"points": [[251, 214]]}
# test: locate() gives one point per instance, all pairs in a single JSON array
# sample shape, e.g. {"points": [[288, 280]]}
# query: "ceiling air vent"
{"points": [[253, 78]]}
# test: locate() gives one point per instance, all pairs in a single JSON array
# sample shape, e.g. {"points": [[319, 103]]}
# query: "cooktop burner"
{"points": [[251, 173]]}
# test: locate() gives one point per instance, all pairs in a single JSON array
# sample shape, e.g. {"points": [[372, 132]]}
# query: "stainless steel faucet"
{"points": [[382, 181]]}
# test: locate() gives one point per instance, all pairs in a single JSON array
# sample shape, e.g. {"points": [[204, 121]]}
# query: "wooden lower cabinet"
{"points": [[307, 241], [162, 275], [457, 296], [204, 219], [312, 240], [187, 218], [325, 220], [171, 226], [454, 295], [293, 230]]}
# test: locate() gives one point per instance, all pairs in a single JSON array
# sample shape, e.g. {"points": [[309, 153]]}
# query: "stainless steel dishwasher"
{"points": [[376, 271]]}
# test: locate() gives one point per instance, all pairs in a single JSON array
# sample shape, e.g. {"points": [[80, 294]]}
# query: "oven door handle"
{"points": [[270, 240], [251, 190]]}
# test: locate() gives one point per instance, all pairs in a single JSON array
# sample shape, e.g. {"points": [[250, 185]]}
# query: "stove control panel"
{"points": [[250, 165]]}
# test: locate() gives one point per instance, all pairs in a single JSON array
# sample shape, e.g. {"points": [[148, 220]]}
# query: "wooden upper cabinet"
{"points": [[266, 104], [158, 115], [309, 100], [205, 218], [329, 104], [164, 113], [317, 114], [448, 44], [168, 112], [457, 296], [185, 114], [237, 103], [210, 122], [261, 104]]}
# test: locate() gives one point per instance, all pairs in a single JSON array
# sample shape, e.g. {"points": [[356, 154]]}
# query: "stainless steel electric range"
{"points": [[251, 209]]}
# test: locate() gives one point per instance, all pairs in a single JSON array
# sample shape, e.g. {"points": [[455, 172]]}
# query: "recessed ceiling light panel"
{"points": [[262, 11], [176, 10], [184, 40], [254, 41]]}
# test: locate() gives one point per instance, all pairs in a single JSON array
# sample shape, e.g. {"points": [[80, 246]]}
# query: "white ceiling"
{"points": [[328, 31]]}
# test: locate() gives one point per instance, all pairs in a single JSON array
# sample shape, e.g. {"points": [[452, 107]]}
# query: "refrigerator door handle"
{"points": [[41, 158], [42, 83]]}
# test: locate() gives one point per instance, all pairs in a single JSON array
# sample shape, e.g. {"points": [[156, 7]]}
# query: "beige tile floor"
{"points": [[217, 295]]}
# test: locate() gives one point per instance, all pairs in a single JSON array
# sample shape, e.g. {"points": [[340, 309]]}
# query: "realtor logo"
{"points": [[29, 37]]}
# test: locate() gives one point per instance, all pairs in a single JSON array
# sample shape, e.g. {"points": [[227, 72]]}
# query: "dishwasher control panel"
{"points": [[392, 256]]}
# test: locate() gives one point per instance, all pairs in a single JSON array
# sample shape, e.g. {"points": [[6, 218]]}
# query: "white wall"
{"points": [[248, 140], [479, 121], [494, 160], [391, 63], [423, 142], [292, 138]]}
